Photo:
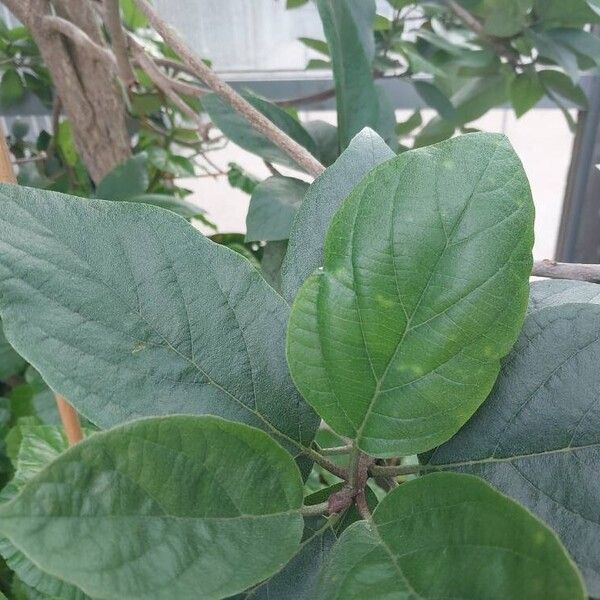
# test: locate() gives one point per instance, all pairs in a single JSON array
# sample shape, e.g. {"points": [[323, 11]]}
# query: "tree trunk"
{"points": [[85, 84]]}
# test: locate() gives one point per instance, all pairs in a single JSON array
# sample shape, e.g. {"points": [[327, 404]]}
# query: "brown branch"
{"points": [[575, 271], [298, 153], [52, 24], [164, 83], [474, 25], [118, 41], [69, 419]]}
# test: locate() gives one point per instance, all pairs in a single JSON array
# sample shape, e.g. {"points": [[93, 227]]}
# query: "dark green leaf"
{"points": [[566, 13], [398, 339], [348, 26], [239, 131], [157, 318], [317, 45], [435, 98], [553, 292], [125, 181], [273, 205], [179, 206], [325, 136], [10, 361], [449, 536], [537, 437], [272, 259], [557, 83], [12, 89], [240, 179], [324, 196], [505, 18], [170, 486], [526, 90]]}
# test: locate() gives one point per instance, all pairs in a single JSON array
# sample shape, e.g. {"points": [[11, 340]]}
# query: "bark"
{"points": [[86, 84]]}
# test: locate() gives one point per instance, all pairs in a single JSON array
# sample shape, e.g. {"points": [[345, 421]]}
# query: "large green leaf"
{"points": [[132, 312], [398, 339], [348, 26], [324, 196], [169, 507], [537, 437], [552, 292], [240, 132], [273, 205], [449, 536]]}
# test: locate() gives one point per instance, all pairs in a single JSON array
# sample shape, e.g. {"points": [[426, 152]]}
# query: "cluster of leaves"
{"points": [[404, 286]]}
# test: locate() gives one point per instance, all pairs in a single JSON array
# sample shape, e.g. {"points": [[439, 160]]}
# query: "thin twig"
{"points": [[272, 169], [164, 84], [79, 37], [326, 464], [315, 510], [118, 41], [298, 153], [474, 25], [336, 450], [28, 159], [395, 470], [558, 270]]}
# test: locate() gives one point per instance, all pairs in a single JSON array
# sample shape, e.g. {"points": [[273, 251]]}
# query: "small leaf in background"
{"points": [[11, 363], [240, 132], [295, 3], [560, 54], [126, 180], [435, 98], [179, 206], [526, 90], [240, 179], [584, 43], [318, 64], [325, 136], [537, 436], [66, 144], [172, 486], [272, 209], [12, 89], [401, 353], [319, 46], [133, 18], [164, 160], [557, 83], [324, 196], [449, 536], [273, 254], [406, 127]]}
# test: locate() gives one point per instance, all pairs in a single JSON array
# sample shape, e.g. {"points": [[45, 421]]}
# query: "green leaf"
{"points": [[553, 292], [12, 89], [165, 160], [435, 98], [179, 206], [526, 90], [325, 136], [566, 13], [406, 127], [11, 363], [324, 196], [270, 265], [537, 437], [240, 132], [557, 83], [240, 179], [317, 45], [449, 536], [584, 43], [65, 143], [273, 205], [560, 54], [295, 3], [133, 18], [398, 339], [126, 180], [348, 26], [170, 486], [137, 297], [506, 18]]}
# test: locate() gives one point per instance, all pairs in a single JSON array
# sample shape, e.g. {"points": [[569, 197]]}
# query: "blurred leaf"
{"points": [[505, 18], [272, 259], [132, 17], [381, 23], [318, 63], [325, 136], [273, 207], [526, 90], [12, 89], [168, 162], [584, 43], [566, 12], [240, 132], [65, 143], [405, 127], [11, 363], [126, 180], [435, 98], [240, 179], [173, 203], [295, 3], [562, 55], [558, 83], [317, 45]]}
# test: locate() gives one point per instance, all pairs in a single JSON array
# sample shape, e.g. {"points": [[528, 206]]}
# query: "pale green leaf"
{"points": [[157, 318], [526, 90], [240, 132], [324, 196], [126, 180], [449, 536], [273, 205], [398, 339], [136, 512]]}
